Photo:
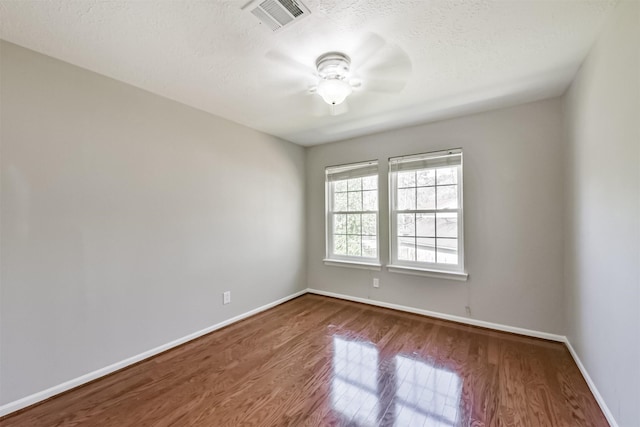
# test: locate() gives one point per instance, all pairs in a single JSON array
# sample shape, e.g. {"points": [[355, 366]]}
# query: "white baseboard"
{"points": [[459, 319], [594, 390], [75, 382]]}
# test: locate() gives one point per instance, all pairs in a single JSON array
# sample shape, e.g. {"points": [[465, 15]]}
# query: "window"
{"points": [[352, 213], [426, 211]]}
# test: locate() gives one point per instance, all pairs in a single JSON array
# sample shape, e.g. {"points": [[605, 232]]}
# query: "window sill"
{"points": [[352, 264], [440, 274]]}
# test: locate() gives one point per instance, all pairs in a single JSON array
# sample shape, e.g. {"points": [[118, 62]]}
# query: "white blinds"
{"points": [[355, 170], [438, 159]]}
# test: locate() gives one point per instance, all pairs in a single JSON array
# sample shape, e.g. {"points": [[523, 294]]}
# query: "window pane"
{"points": [[446, 176], [339, 201], [447, 251], [369, 247], [340, 186], [406, 199], [448, 197], [348, 198], [370, 200], [406, 225], [340, 224], [427, 198], [339, 245], [406, 179], [426, 250], [447, 224], [370, 182], [354, 184], [354, 246], [406, 248], [369, 224], [353, 224], [426, 177], [426, 225], [355, 200], [426, 205]]}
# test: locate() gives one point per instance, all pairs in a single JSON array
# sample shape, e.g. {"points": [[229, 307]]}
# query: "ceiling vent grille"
{"points": [[277, 14]]}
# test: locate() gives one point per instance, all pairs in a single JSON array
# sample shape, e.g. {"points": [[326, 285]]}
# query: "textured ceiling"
{"points": [[466, 55]]}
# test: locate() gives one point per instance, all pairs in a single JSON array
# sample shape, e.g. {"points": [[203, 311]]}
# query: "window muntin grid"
{"points": [[426, 214], [352, 219]]}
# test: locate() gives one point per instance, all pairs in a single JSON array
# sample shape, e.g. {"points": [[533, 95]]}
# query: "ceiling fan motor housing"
{"points": [[333, 65]]}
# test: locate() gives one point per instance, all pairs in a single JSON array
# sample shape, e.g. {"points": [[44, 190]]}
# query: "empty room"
{"points": [[320, 213]]}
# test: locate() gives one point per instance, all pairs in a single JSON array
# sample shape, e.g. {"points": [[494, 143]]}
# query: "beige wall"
{"points": [[603, 214], [513, 217], [125, 216]]}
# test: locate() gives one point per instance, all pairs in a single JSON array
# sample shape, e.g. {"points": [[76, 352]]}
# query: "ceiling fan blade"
{"points": [[318, 107], [336, 110], [392, 64], [366, 50], [386, 86], [305, 103], [288, 87], [288, 62]]}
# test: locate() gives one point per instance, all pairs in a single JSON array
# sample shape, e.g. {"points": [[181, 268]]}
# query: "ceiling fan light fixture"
{"points": [[334, 91], [333, 71]]}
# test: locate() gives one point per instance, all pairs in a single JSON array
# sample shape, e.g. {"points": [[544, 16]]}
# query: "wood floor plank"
{"points": [[318, 361]]}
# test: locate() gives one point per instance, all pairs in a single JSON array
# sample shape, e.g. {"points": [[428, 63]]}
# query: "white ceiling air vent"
{"points": [[277, 14]]}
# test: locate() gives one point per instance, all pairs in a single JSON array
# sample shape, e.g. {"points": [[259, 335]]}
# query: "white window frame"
{"points": [[348, 171], [441, 270]]}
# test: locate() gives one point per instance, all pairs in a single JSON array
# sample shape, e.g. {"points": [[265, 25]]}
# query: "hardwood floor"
{"points": [[317, 361]]}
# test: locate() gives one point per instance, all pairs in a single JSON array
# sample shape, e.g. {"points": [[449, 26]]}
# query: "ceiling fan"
{"points": [[373, 66], [334, 84]]}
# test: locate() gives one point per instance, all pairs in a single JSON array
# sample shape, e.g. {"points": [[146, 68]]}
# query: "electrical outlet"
{"points": [[468, 309], [226, 297], [376, 282]]}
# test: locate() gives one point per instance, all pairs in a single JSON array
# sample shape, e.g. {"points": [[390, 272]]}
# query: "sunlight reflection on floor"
{"points": [[416, 393]]}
